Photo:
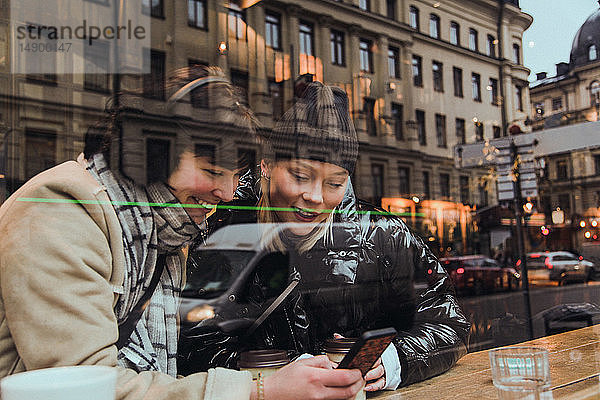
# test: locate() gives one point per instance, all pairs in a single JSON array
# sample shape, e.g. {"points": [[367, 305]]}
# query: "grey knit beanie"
{"points": [[318, 127]]}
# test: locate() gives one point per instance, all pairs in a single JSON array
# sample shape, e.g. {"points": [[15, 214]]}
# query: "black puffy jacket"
{"points": [[361, 280]]}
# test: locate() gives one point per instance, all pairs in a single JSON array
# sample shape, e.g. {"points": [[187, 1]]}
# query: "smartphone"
{"points": [[367, 349]]}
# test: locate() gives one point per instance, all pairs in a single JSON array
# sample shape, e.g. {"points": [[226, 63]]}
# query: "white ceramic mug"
{"points": [[89, 382]]}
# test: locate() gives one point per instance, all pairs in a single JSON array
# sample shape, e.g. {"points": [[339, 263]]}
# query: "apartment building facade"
{"points": [[422, 76]]}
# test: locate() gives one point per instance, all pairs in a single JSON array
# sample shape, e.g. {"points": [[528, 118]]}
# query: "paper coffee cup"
{"points": [[266, 362], [336, 350], [89, 382]]}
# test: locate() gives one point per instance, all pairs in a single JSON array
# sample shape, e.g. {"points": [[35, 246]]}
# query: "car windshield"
{"points": [[212, 272]]}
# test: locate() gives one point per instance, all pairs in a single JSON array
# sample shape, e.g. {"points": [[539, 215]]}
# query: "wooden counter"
{"points": [[574, 369]]}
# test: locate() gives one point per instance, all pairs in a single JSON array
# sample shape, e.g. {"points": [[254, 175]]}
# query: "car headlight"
{"points": [[200, 313]]}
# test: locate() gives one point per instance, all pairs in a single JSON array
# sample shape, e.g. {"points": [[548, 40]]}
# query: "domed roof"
{"points": [[587, 35]]}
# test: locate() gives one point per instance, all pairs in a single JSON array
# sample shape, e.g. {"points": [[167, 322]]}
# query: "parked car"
{"points": [[479, 274], [560, 266]]}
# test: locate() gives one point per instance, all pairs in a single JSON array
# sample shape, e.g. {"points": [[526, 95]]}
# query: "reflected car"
{"points": [[559, 266], [480, 274]]}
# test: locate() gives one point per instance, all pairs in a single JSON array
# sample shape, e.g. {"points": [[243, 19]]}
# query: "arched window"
{"points": [[595, 93], [592, 53]]}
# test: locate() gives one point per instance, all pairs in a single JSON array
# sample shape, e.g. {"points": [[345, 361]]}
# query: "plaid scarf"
{"points": [[148, 230]]}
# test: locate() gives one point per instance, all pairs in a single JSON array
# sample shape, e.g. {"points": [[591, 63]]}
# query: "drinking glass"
{"points": [[521, 372]]}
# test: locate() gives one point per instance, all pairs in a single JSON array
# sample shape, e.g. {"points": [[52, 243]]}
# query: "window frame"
{"points": [[473, 40], [434, 26], [494, 98], [476, 87], [414, 18], [460, 130], [491, 46], [337, 47], [417, 65], [192, 22], [365, 51], [394, 62], [440, 130], [437, 69], [273, 30], [457, 77], [306, 31], [455, 33], [420, 119], [154, 10]]}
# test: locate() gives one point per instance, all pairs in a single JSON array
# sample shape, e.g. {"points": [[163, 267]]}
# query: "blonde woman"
{"points": [[355, 264]]}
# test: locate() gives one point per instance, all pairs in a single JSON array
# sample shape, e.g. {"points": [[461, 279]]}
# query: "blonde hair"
{"points": [[274, 243]]}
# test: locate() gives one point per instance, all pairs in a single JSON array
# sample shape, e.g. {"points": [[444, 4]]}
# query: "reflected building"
{"points": [[570, 180], [422, 76]]}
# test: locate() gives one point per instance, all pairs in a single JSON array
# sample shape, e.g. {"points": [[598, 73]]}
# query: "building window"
{"points": [[366, 56], [490, 47], [597, 164], [417, 70], [476, 86], [440, 130], [421, 133], [556, 103], [493, 89], [404, 181], [153, 8], [306, 39], [198, 96], [455, 33], [398, 118], [562, 169], [426, 185], [458, 81], [40, 152], [276, 92], [445, 186], [236, 23], [465, 193], [564, 201], [473, 40], [96, 66], [246, 158], [157, 160], [337, 47], [434, 26], [273, 30], [414, 18], [391, 9], [154, 82], [595, 93], [438, 76], [197, 13], [461, 134], [539, 109], [394, 62], [592, 53], [497, 132], [364, 5], [519, 98], [516, 54], [369, 110], [377, 175], [478, 131], [483, 194], [239, 79]]}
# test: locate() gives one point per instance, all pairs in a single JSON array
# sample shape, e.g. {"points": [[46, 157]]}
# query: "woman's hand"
{"points": [[312, 378], [375, 377]]}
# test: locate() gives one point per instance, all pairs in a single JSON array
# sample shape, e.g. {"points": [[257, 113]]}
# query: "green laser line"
{"points": [[217, 206]]}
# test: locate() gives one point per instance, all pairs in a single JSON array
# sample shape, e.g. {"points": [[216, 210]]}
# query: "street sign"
{"points": [[499, 153]]}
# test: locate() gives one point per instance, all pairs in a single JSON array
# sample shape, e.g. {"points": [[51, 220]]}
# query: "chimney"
{"points": [[562, 68], [540, 75]]}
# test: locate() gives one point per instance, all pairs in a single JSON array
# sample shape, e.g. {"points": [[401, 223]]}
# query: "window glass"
{"points": [[455, 33], [414, 17], [272, 30]]}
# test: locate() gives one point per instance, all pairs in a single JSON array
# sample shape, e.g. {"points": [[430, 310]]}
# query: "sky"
{"points": [[549, 38]]}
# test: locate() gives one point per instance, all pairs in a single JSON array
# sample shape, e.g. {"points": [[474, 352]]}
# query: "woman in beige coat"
{"points": [[80, 244]]}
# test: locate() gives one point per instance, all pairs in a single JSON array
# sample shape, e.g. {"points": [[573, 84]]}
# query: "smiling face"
{"points": [[196, 181], [310, 189]]}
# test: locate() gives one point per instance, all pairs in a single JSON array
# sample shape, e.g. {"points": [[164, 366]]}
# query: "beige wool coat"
{"points": [[61, 267]]}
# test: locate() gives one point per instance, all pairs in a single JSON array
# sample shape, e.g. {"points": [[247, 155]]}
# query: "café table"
{"points": [[574, 370]]}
